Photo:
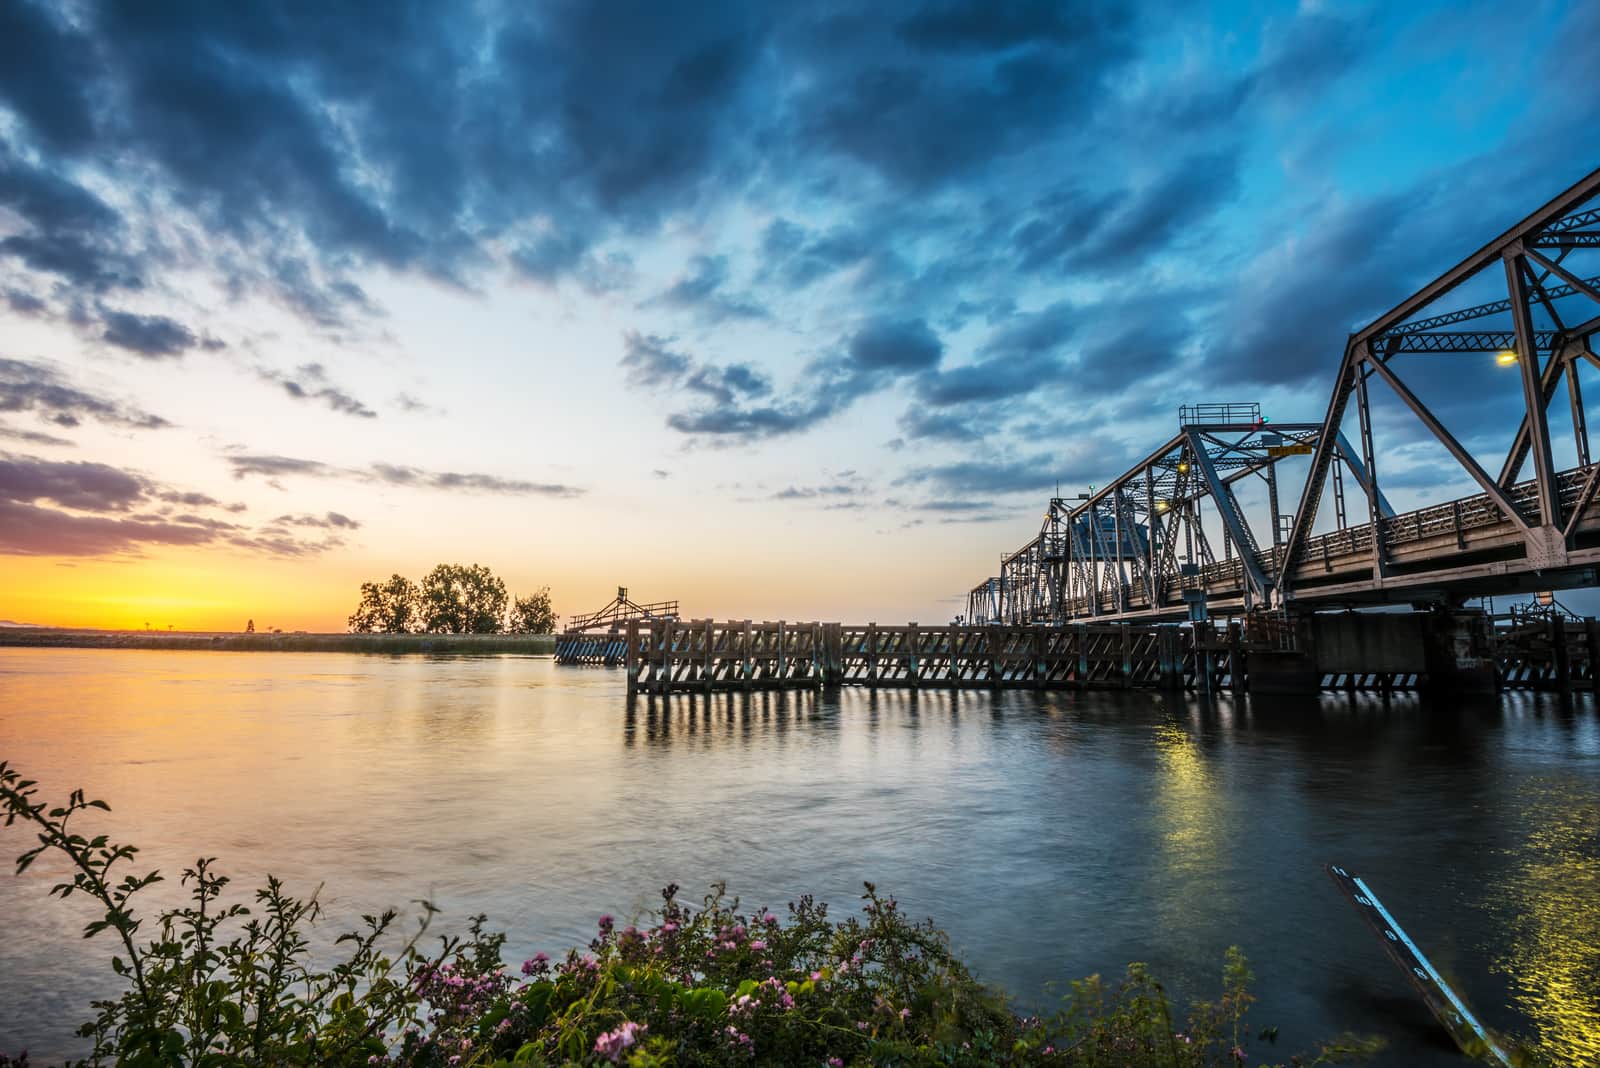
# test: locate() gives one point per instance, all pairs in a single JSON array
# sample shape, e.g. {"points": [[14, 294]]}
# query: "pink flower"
{"points": [[835, 1062], [611, 1044], [905, 1014], [1238, 1054], [758, 945]]}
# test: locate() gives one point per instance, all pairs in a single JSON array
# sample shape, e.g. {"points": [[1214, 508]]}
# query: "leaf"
{"points": [[536, 998], [704, 1002], [746, 988]]}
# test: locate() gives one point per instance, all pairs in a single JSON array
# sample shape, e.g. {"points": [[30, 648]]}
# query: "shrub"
{"points": [[215, 984]]}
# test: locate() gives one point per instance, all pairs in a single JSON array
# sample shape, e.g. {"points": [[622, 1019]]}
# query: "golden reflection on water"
{"points": [[1187, 798], [1552, 954]]}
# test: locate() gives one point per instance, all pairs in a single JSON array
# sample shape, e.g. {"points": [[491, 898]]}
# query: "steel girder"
{"points": [[1553, 310], [1132, 548]]}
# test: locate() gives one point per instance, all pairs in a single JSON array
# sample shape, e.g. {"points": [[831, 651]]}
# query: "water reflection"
{"points": [[1054, 834], [1550, 949]]}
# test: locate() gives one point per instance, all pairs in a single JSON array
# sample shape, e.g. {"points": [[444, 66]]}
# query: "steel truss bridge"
{"points": [[1235, 514]]}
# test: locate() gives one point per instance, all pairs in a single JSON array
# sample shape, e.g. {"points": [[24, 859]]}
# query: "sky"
{"points": [[781, 310]]}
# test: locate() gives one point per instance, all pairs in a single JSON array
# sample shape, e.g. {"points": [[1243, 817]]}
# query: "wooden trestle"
{"points": [[670, 656], [1379, 652]]}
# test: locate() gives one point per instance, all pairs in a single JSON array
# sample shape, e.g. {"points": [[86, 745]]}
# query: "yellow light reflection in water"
{"points": [[1554, 956], [1187, 798]]}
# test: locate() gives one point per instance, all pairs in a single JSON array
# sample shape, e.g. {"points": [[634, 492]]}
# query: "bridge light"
{"points": [[1183, 468], [1162, 506], [1505, 358]]}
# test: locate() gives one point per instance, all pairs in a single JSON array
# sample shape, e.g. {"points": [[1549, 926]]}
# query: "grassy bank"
{"points": [[49, 637]]}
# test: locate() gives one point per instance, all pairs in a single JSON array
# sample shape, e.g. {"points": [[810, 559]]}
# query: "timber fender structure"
{"points": [[1450, 652]]}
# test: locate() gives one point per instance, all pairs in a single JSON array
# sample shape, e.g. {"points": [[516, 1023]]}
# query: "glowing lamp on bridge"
{"points": [[1505, 358], [1162, 506], [1183, 468]]}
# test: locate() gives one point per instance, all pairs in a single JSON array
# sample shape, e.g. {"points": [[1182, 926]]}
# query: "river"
{"points": [[1053, 835]]}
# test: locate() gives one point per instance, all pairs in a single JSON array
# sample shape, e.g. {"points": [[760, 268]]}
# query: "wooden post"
{"points": [[1235, 659], [783, 657], [1036, 654], [872, 655], [1170, 656], [1080, 634], [1560, 659], [1127, 656], [632, 656], [708, 672], [1202, 657], [749, 669], [1591, 640], [664, 675], [913, 661]]}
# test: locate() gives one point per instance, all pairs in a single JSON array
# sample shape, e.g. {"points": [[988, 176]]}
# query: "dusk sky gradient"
{"points": [[795, 310]]}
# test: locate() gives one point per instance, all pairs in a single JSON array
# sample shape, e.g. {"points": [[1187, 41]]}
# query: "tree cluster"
{"points": [[451, 599]]}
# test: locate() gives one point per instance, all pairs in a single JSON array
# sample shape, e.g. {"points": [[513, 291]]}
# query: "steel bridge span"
{"points": [[1236, 514]]}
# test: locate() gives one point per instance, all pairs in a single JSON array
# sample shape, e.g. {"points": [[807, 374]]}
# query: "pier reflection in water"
{"points": [[1053, 834]]}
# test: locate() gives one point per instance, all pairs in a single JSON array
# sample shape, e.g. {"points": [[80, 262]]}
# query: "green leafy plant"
{"points": [[212, 983]]}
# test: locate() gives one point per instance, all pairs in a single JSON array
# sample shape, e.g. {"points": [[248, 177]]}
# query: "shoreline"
{"points": [[298, 642]]}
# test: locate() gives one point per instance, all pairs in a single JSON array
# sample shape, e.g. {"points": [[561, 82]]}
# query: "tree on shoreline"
{"points": [[450, 599], [533, 615], [387, 608], [457, 599]]}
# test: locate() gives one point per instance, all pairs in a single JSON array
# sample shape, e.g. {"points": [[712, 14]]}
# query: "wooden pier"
{"points": [[703, 656], [1338, 651]]}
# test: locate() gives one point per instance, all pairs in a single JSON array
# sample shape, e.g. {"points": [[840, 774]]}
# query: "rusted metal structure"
{"points": [[1171, 538], [621, 610]]}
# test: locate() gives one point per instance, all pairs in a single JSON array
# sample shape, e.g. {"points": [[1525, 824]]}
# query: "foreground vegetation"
{"points": [[214, 983]]}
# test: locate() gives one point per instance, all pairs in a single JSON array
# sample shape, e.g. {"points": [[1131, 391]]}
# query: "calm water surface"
{"points": [[1053, 835]]}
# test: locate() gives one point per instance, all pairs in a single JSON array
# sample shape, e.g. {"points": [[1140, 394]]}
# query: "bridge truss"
{"points": [[1201, 521]]}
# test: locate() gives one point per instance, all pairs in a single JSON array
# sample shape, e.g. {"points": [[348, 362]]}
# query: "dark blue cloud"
{"points": [[151, 336], [895, 346]]}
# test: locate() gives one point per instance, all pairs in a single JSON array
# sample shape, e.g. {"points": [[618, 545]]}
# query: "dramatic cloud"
{"points": [[42, 506], [39, 388], [88, 487], [1017, 228], [275, 467]]}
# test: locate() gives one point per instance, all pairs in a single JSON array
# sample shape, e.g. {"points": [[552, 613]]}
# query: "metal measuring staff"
{"points": [[1445, 1004]]}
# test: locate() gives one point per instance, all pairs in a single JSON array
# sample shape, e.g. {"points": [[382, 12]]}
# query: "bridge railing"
{"points": [[1330, 548], [658, 610]]}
